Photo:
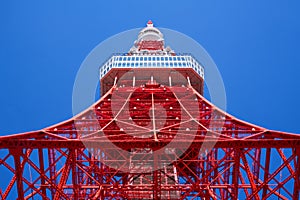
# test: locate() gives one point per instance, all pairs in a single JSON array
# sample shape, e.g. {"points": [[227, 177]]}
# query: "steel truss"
{"points": [[91, 157]]}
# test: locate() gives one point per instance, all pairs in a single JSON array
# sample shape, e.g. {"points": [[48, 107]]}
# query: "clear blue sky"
{"points": [[255, 45]]}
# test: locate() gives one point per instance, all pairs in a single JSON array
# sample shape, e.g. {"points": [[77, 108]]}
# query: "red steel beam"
{"points": [[236, 171], [42, 168], [18, 171], [266, 171], [297, 174], [255, 192], [237, 143], [250, 177]]}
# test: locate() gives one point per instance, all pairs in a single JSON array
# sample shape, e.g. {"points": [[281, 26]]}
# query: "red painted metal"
{"points": [[91, 157], [150, 45], [66, 170]]}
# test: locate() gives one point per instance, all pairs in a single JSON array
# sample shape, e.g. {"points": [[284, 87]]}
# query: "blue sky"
{"points": [[254, 44]]}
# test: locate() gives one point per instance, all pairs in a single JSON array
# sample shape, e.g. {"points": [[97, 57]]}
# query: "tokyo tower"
{"points": [[151, 135]]}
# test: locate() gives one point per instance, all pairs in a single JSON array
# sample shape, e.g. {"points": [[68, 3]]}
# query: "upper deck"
{"points": [[141, 60], [150, 59]]}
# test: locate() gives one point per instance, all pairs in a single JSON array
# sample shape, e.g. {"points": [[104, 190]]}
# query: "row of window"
{"points": [[149, 58], [150, 30], [151, 64], [134, 62]]}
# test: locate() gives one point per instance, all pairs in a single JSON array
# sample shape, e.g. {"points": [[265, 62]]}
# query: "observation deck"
{"points": [[165, 66], [150, 59]]}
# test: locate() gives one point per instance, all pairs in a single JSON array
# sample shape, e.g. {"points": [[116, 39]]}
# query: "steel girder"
{"points": [[91, 156]]}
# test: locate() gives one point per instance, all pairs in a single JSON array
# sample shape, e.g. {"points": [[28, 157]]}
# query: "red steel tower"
{"points": [[152, 135]]}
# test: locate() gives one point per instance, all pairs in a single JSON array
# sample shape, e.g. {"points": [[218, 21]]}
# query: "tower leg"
{"points": [[19, 171], [297, 175]]}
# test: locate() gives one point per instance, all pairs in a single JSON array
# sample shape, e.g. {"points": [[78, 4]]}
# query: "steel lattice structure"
{"points": [[153, 143]]}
